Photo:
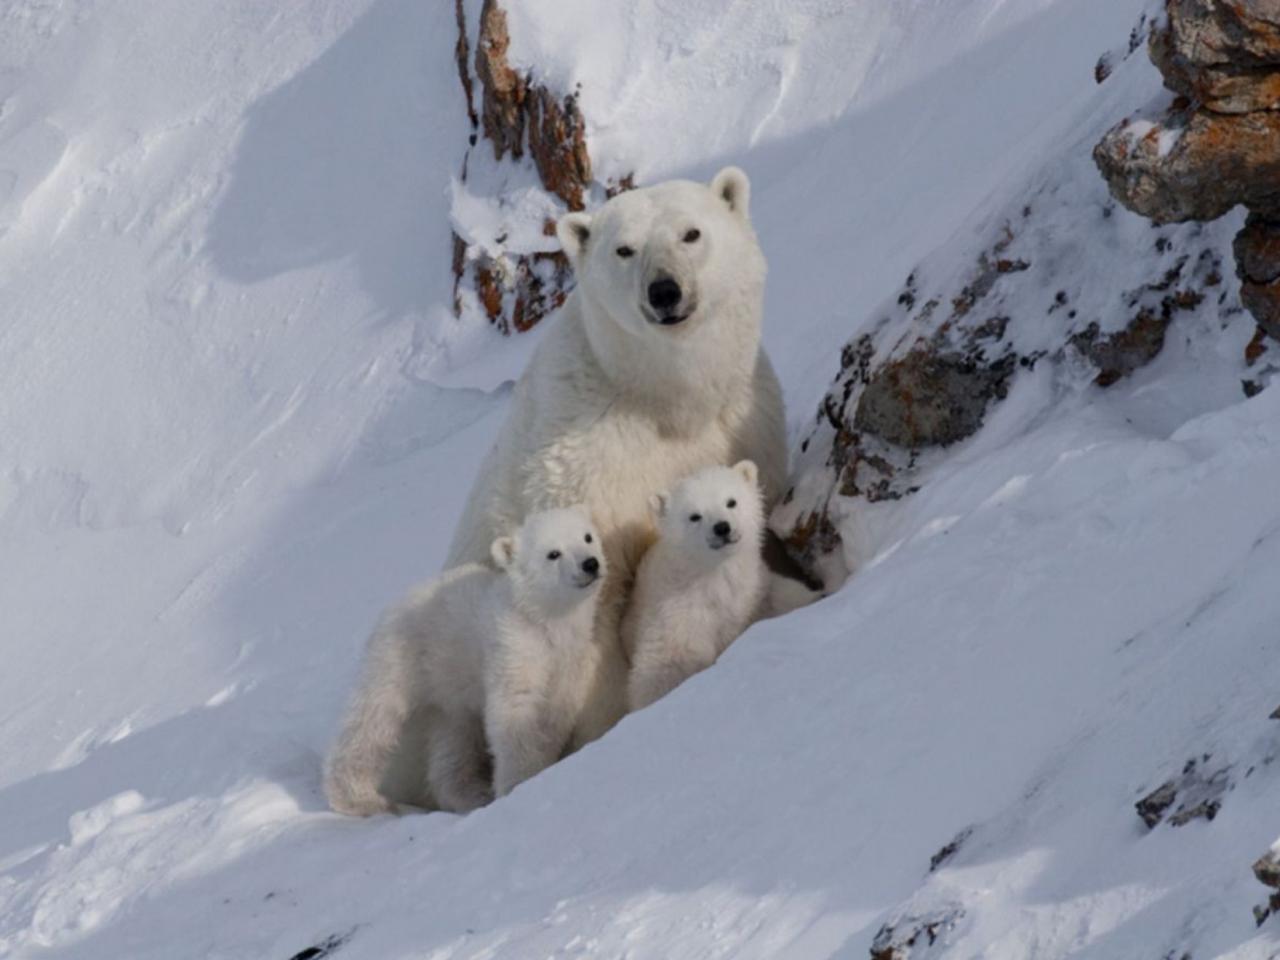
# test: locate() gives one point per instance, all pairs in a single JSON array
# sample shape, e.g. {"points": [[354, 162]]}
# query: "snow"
{"points": [[239, 418]]}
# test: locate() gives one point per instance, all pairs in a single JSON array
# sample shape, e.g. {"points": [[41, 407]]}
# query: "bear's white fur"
{"points": [[489, 662], [700, 585], [617, 405]]}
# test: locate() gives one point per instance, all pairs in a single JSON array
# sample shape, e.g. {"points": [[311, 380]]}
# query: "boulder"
{"points": [[1193, 164]]}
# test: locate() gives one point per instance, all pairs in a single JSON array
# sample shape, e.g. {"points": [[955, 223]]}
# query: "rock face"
{"points": [[1257, 250], [912, 936], [1193, 164], [1222, 54], [1195, 794], [516, 112], [1218, 145], [928, 398], [515, 283], [929, 370]]}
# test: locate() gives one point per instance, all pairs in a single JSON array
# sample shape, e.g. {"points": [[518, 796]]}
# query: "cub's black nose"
{"points": [[722, 529], [591, 565], [664, 294]]}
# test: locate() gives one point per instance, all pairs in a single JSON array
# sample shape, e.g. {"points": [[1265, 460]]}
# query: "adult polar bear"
{"points": [[653, 369]]}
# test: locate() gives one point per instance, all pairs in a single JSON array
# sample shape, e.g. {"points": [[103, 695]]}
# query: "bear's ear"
{"points": [[503, 552], [573, 230], [747, 470], [658, 504], [732, 186]]}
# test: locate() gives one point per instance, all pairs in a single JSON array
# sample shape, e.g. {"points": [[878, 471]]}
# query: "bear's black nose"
{"points": [[722, 528], [591, 565], [664, 294]]}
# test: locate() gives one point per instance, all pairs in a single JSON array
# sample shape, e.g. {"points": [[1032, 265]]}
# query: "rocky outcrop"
{"points": [[1222, 54], [1257, 250], [1193, 164], [947, 350], [1218, 145], [514, 283], [1195, 794], [930, 397], [518, 114], [910, 937]]}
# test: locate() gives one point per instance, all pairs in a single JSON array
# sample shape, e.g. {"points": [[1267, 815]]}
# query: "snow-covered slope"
{"points": [[237, 422]]}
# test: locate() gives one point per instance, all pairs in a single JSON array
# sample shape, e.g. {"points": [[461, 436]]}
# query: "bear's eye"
{"points": [[587, 538], [625, 251], [692, 236], [553, 555], [731, 504], [695, 517]]}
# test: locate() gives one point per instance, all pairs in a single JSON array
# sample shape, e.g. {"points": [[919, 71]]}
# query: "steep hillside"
{"points": [[245, 391]]}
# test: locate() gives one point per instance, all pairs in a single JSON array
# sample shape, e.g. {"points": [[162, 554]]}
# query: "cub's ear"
{"points": [[573, 230], [503, 552], [658, 504], [732, 186], [747, 470]]}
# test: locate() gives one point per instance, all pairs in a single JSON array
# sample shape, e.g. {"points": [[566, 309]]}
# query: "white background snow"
{"points": [[236, 420]]}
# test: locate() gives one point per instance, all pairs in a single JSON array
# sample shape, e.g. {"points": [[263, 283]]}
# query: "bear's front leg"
{"points": [[524, 735], [663, 664], [457, 763], [604, 665]]}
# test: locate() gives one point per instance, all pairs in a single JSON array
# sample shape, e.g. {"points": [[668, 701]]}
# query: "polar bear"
{"points": [[652, 369], [700, 585], [477, 657]]}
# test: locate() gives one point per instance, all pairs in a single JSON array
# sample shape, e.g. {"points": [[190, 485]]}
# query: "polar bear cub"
{"points": [[489, 662], [700, 585]]}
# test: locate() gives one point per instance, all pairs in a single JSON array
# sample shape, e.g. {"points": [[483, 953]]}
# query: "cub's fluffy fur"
{"points": [[700, 585], [489, 663]]}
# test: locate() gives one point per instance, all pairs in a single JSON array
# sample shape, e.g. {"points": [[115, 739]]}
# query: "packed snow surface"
{"points": [[238, 419]]}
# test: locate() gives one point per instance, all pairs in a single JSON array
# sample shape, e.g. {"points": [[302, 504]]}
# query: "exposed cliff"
{"points": [[1216, 146]]}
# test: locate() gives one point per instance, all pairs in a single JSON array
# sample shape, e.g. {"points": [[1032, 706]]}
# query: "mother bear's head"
{"points": [[665, 262]]}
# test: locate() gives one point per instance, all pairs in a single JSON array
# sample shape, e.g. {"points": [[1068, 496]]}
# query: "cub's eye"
{"points": [[692, 236], [553, 555], [587, 538], [731, 504], [695, 517], [624, 252]]}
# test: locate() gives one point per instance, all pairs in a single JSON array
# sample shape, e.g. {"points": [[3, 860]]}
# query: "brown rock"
{"points": [[503, 91], [1214, 32], [1223, 89], [1215, 161], [1156, 804], [1263, 301], [1116, 355], [1257, 250], [557, 140], [928, 398], [1224, 55], [1253, 352], [514, 110], [909, 936], [517, 288], [1267, 869]]}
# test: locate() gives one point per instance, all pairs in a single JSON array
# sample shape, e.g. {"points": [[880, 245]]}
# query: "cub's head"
{"points": [[713, 513], [555, 558], [661, 259]]}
